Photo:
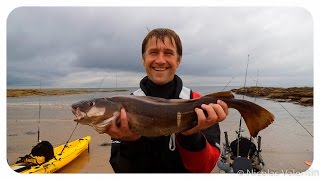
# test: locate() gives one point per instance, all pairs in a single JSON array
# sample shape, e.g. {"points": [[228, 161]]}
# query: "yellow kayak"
{"points": [[70, 152]]}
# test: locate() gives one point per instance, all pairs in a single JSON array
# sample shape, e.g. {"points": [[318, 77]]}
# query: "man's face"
{"points": [[161, 60]]}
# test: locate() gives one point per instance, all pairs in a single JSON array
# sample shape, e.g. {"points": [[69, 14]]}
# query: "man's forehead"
{"points": [[167, 41]]}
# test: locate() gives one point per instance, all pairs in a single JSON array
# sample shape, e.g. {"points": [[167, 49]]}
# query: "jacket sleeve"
{"points": [[200, 151]]}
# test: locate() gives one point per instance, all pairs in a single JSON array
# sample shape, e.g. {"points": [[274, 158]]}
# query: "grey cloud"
{"points": [[55, 42]]}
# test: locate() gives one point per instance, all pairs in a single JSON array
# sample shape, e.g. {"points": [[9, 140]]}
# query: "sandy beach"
{"points": [[285, 144]]}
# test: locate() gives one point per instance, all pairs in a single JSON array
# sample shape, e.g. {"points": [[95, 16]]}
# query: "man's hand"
{"points": [[123, 132], [216, 113]]}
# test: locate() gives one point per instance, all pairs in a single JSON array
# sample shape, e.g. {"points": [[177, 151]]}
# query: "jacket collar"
{"points": [[171, 90]]}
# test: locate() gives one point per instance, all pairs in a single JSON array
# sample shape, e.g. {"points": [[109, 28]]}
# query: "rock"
{"points": [[277, 95], [300, 95], [306, 101]]}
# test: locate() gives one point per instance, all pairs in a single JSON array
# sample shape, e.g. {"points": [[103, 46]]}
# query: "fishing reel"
{"points": [[241, 155]]}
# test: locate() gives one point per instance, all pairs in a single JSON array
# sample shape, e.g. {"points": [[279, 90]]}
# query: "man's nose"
{"points": [[161, 58]]}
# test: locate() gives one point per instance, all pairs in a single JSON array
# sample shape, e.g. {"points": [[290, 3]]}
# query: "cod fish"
{"points": [[152, 116]]}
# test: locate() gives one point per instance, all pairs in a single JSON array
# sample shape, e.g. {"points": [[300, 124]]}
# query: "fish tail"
{"points": [[255, 116]]}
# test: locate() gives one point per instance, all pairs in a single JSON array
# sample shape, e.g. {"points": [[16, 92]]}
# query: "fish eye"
{"points": [[91, 103]]}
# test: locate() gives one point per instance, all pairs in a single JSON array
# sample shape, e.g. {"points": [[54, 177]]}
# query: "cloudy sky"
{"points": [[84, 46]]}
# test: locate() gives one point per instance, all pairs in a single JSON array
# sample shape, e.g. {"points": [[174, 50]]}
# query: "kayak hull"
{"points": [[69, 153]]}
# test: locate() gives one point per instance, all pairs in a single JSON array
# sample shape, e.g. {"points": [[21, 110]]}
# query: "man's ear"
{"points": [[143, 62], [179, 61]]}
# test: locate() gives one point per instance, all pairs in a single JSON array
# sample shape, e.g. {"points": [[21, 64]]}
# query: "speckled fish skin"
{"points": [[151, 116]]}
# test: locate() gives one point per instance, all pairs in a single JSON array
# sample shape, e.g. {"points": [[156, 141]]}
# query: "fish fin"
{"points": [[255, 116], [222, 94], [101, 126]]}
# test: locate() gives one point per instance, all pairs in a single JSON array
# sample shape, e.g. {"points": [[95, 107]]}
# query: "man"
{"points": [[194, 150]]}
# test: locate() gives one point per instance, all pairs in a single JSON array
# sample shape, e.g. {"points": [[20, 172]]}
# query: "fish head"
{"points": [[94, 111]]}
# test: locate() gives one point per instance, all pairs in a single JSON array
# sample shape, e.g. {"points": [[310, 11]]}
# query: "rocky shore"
{"points": [[299, 95]]}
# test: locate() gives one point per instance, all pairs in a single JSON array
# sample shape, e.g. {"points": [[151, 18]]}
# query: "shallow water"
{"points": [[286, 143]]}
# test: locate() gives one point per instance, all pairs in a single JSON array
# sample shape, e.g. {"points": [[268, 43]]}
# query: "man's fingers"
{"points": [[210, 111], [200, 114], [123, 118], [218, 109], [224, 106], [112, 128], [215, 113]]}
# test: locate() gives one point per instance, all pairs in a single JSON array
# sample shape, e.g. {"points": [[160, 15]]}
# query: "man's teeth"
{"points": [[159, 68]]}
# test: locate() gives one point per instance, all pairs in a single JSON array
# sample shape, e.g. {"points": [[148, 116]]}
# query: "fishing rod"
{"points": [[296, 119], [255, 96], [98, 87], [240, 121], [227, 84], [39, 113], [259, 150], [245, 78], [287, 112], [116, 80], [65, 145]]}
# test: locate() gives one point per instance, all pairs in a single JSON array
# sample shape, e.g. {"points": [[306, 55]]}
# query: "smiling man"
{"points": [[161, 58], [194, 150]]}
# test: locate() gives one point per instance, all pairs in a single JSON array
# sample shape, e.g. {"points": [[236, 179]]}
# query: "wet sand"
{"points": [[285, 144]]}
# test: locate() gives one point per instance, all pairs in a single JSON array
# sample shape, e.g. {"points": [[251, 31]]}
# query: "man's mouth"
{"points": [[160, 68]]}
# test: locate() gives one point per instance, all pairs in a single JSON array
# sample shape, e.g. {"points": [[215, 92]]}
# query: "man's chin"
{"points": [[161, 81]]}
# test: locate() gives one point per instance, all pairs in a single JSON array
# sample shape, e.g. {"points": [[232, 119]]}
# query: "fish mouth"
{"points": [[79, 114]]}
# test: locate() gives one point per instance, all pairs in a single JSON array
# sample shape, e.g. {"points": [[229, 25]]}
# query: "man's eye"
{"points": [[168, 52]]}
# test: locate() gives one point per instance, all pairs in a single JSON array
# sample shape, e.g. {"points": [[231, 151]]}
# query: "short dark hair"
{"points": [[161, 33]]}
